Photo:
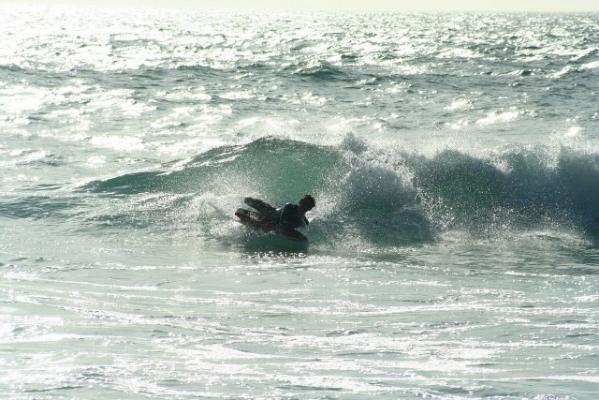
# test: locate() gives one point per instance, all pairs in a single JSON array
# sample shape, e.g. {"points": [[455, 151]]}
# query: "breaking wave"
{"points": [[386, 197]]}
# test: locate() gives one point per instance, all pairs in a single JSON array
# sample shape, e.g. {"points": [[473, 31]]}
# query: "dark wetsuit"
{"points": [[289, 216], [292, 217]]}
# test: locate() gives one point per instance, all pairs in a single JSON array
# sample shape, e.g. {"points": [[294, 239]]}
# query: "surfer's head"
{"points": [[307, 203]]}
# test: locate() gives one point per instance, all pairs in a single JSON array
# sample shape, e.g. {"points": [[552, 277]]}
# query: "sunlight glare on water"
{"points": [[452, 252]]}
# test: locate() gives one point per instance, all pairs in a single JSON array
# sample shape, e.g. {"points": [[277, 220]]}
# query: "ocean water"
{"points": [[454, 249]]}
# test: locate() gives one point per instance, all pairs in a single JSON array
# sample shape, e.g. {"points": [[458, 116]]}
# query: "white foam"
{"points": [[590, 65], [121, 143], [496, 118], [237, 95], [573, 132], [459, 104]]}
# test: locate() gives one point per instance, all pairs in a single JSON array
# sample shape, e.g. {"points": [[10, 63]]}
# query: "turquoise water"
{"points": [[453, 251]]}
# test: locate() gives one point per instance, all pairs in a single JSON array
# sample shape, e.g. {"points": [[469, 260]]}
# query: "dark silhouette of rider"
{"points": [[290, 216]]}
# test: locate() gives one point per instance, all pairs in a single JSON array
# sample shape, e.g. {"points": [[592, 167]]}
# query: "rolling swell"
{"points": [[383, 197], [279, 168]]}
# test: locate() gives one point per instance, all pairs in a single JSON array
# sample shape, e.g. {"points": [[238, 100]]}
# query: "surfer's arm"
{"points": [[259, 205], [306, 221]]}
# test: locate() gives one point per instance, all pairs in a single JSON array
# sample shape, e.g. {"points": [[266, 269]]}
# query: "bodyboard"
{"points": [[258, 222]]}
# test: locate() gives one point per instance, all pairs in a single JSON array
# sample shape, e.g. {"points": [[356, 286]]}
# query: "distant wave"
{"points": [[323, 71]]}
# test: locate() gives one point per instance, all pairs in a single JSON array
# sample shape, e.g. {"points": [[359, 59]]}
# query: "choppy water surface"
{"points": [[454, 247]]}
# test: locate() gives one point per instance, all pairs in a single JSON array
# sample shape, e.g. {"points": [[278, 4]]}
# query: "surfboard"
{"points": [[257, 222]]}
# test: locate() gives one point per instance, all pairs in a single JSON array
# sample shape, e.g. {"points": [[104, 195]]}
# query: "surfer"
{"points": [[290, 216]]}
